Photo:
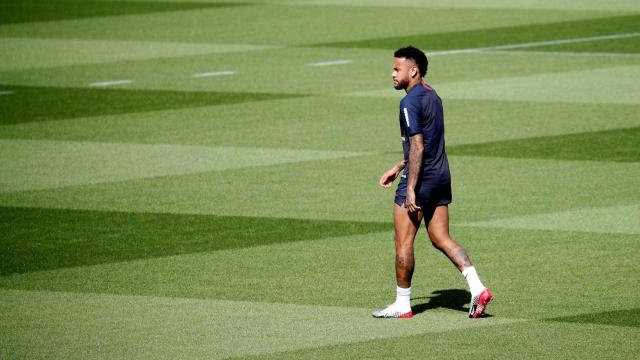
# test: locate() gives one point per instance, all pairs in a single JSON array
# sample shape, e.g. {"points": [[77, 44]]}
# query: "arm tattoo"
{"points": [[416, 154]]}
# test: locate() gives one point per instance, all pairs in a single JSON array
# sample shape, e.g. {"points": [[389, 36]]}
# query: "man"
{"points": [[424, 191]]}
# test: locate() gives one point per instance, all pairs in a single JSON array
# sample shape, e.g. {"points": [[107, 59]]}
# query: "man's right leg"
{"points": [[406, 226]]}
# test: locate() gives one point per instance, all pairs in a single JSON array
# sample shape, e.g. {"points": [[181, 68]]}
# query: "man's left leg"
{"points": [[438, 229]]}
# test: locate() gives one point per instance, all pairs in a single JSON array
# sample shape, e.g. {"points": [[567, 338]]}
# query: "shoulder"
{"points": [[410, 102], [428, 90], [430, 95], [413, 98]]}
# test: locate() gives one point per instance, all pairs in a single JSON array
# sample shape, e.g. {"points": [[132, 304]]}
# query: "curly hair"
{"points": [[416, 55]]}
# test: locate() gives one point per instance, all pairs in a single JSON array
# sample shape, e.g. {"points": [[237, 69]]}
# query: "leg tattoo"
{"points": [[459, 257], [404, 269]]}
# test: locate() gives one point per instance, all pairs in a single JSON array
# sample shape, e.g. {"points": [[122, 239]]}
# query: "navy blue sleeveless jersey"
{"points": [[421, 113]]}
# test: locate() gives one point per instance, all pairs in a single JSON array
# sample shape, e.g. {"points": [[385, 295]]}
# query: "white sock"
{"points": [[403, 298], [475, 285]]}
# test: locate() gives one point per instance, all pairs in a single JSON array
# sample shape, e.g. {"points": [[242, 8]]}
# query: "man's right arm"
{"points": [[390, 175]]}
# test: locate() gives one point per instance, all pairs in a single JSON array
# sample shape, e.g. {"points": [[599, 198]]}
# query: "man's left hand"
{"points": [[410, 201]]}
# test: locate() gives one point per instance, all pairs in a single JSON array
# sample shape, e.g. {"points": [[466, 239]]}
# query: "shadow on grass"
{"points": [[454, 299]]}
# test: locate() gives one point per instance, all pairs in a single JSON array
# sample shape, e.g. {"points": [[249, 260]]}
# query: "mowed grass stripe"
{"points": [[481, 38], [273, 124], [608, 85], [523, 76], [40, 164], [357, 271], [176, 73], [467, 122], [313, 272], [42, 103], [622, 46], [38, 10], [31, 53], [472, 122], [38, 239], [630, 317], [619, 145], [621, 219], [278, 23], [67, 325], [528, 340], [320, 190], [541, 44], [613, 5]]}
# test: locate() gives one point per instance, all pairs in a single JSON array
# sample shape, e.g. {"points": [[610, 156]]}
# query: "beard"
{"points": [[398, 85]]}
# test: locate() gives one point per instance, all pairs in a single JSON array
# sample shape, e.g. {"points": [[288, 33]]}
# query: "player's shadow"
{"points": [[454, 299]]}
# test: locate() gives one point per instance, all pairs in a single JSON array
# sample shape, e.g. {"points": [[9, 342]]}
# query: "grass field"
{"points": [[198, 179]]}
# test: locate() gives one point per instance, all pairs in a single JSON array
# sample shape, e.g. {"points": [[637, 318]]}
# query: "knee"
{"points": [[404, 248], [404, 240], [440, 245], [441, 241]]}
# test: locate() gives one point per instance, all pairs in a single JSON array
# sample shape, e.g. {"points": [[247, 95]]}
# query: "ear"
{"points": [[414, 71]]}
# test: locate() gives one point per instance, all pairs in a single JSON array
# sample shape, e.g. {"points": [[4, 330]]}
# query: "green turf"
{"points": [[572, 272], [496, 36], [240, 216], [513, 187], [530, 340], [216, 125], [610, 85], [39, 239], [195, 333], [467, 122], [29, 104], [287, 71], [629, 317], [39, 10], [475, 121], [613, 219], [622, 145], [289, 24], [629, 45]]}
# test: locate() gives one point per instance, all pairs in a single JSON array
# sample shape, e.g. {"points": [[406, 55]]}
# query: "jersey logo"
{"points": [[406, 116]]}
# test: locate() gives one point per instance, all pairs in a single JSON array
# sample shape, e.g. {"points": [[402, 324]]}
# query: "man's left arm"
{"points": [[416, 154]]}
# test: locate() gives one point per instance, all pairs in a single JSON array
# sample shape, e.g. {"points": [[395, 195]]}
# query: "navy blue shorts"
{"points": [[429, 196]]}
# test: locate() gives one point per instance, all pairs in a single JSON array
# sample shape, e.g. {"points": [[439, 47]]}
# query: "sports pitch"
{"points": [[198, 179]]}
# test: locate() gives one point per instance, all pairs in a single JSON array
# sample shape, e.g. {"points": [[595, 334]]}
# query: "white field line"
{"points": [[331, 63], [6, 92], [561, 53], [215, 73], [536, 44], [110, 83]]}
